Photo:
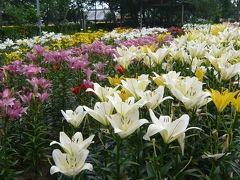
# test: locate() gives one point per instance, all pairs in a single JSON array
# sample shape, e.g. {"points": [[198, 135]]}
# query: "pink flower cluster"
{"points": [[82, 63], [37, 50], [40, 89], [11, 105], [29, 70], [95, 48], [75, 58], [57, 57], [145, 40], [76, 63]]}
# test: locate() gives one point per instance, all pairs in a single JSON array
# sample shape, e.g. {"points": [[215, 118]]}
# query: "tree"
{"points": [[1, 11], [20, 12], [228, 9], [55, 11], [236, 3]]}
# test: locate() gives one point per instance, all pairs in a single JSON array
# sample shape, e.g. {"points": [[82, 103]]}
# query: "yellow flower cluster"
{"points": [[162, 36], [121, 30], [77, 39], [145, 48], [13, 56], [218, 28], [86, 38]]}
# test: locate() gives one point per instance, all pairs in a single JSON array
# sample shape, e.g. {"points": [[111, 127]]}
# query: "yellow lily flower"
{"points": [[145, 48], [159, 80], [236, 103], [162, 36], [114, 81], [12, 56], [124, 94], [222, 99], [152, 47], [47, 49], [199, 74]]}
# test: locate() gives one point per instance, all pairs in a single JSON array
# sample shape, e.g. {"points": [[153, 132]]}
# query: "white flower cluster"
{"points": [[126, 119], [36, 40], [191, 27], [72, 162], [220, 47], [132, 34]]}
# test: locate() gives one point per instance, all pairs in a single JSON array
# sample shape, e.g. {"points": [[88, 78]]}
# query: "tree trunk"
{"points": [[96, 12], [64, 20], [111, 7], [1, 9], [79, 14], [144, 17], [121, 16], [134, 14], [238, 10]]}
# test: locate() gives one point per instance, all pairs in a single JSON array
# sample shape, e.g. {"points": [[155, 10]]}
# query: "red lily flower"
{"points": [[56, 67], [120, 69], [76, 90]]}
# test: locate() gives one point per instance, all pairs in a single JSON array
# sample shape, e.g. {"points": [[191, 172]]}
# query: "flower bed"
{"points": [[150, 104]]}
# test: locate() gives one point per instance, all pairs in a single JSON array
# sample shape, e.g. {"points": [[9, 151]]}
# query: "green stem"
{"points": [[138, 150], [210, 132], [5, 142], [72, 178], [163, 153], [236, 116], [155, 158], [118, 158], [232, 126], [213, 169], [217, 128]]}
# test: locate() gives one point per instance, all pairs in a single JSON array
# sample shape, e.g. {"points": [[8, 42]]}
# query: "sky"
{"points": [[100, 6]]}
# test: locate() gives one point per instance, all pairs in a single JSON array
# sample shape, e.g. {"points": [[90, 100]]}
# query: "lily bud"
{"points": [[225, 138], [215, 134]]}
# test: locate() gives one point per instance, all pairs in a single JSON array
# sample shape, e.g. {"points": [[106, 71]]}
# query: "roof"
{"points": [[164, 3], [100, 14]]}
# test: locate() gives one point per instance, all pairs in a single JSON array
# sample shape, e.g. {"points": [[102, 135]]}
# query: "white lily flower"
{"points": [[101, 111], [68, 164], [126, 56], [179, 54], [122, 107], [216, 51], [126, 125], [222, 64], [227, 70], [159, 55], [74, 117], [188, 90], [196, 49], [136, 86], [75, 145], [102, 92], [125, 60], [169, 130], [148, 61], [170, 76], [154, 98]]}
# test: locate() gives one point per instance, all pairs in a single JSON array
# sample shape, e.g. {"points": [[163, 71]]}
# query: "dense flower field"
{"points": [[147, 103]]}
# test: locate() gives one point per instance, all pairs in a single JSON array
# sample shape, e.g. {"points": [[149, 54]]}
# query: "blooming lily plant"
{"points": [[151, 103]]}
